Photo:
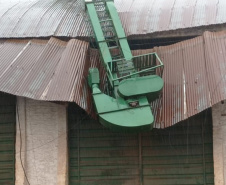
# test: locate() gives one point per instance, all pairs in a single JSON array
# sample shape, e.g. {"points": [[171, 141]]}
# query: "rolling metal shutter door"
{"points": [[7, 139], [181, 154]]}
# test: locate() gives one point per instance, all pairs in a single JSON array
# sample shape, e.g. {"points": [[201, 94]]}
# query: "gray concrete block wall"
{"points": [[219, 142], [44, 143]]}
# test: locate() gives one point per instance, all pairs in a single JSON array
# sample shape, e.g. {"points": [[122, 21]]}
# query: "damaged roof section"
{"points": [[66, 18], [54, 70], [194, 76], [50, 70]]}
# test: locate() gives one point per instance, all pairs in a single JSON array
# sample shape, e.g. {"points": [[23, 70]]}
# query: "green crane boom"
{"points": [[133, 80]]}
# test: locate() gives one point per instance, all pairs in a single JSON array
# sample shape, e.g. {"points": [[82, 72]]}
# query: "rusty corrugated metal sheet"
{"points": [[45, 70], [172, 107], [55, 70], [41, 18], [215, 54]]}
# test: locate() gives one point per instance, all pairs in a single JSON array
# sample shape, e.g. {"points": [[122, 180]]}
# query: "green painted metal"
{"points": [[119, 30], [139, 86], [93, 77], [117, 114], [105, 53], [7, 139], [132, 120], [179, 155], [122, 110]]}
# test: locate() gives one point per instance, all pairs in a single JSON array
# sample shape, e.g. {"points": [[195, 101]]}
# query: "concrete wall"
{"points": [[44, 143], [219, 142]]}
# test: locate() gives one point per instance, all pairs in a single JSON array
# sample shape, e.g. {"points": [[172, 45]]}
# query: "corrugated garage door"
{"points": [[181, 154], [7, 139]]}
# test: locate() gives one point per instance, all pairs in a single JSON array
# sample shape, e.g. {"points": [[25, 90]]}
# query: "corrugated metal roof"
{"points": [[55, 70], [45, 70], [41, 18]]}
